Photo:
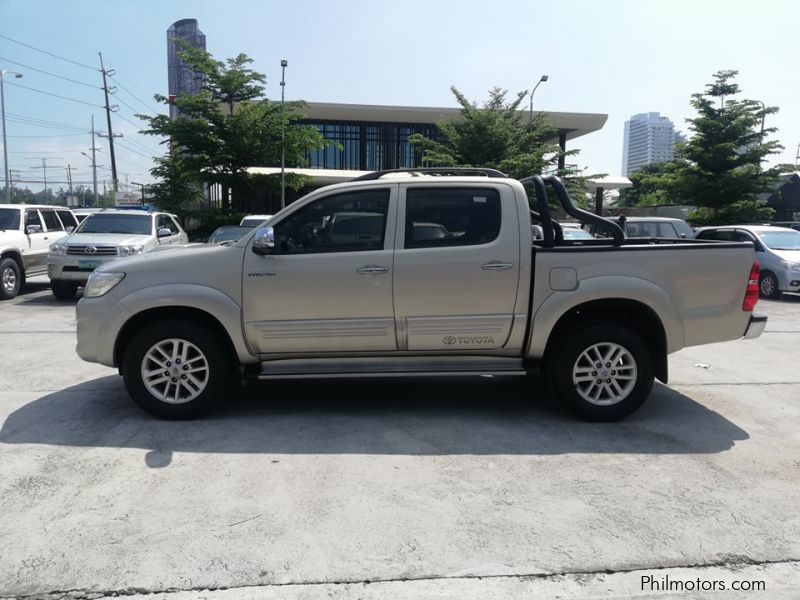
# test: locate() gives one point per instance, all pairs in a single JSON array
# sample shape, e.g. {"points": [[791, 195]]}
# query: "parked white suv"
{"points": [[105, 236], [26, 231]]}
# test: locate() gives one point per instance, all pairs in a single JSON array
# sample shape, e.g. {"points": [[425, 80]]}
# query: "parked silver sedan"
{"points": [[777, 250]]}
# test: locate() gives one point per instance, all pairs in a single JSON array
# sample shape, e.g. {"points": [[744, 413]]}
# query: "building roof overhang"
{"points": [[572, 124]]}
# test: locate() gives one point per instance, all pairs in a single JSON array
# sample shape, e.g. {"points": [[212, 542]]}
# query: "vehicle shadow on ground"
{"points": [[388, 416]]}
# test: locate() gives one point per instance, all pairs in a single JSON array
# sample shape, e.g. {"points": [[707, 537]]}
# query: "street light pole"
{"points": [[5, 139], [543, 78], [284, 64]]}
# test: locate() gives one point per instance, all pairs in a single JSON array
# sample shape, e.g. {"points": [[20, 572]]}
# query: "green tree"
{"points": [[724, 174], [176, 186], [497, 135], [656, 184], [226, 128]]}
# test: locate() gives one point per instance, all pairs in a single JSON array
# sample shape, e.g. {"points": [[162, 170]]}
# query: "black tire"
{"points": [[617, 396], [10, 279], [768, 286], [205, 343], [64, 290]]}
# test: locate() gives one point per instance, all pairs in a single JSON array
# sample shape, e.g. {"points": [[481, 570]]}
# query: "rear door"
{"points": [[457, 266]]}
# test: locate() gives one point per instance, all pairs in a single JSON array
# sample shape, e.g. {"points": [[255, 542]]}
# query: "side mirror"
{"points": [[33, 229], [164, 232], [683, 236], [70, 228], [264, 241]]}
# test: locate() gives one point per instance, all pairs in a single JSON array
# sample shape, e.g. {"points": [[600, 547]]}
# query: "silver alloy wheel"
{"points": [[9, 280], [175, 371], [604, 374], [767, 285]]}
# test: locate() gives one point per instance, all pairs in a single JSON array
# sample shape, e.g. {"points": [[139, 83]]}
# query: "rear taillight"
{"points": [[751, 295]]}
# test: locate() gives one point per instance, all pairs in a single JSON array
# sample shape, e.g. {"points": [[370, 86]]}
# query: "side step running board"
{"points": [[381, 366]]}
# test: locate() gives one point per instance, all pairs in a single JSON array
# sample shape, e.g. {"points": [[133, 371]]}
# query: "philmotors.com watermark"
{"points": [[666, 583]]}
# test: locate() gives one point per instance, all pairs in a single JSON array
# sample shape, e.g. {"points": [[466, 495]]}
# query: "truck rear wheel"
{"points": [[175, 369], [10, 279], [602, 372], [64, 290]]}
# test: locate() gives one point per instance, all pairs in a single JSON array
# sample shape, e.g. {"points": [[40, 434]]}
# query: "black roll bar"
{"points": [[538, 183]]}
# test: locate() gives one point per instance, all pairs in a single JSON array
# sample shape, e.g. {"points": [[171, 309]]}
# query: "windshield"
{"points": [[9, 218], [228, 234], [111, 223], [781, 240]]}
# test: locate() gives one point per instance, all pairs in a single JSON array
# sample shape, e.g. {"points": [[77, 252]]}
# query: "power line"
{"points": [[46, 136], [140, 146], [124, 118], [42, 125], [51, 74], [147, 106], [35, 121], [125, 103], [51, 94], [43, 151], [48, 53], [134, 150]]}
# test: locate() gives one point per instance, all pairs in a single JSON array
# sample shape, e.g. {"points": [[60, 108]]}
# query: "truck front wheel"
{"points": [[175, 369], [602, 372], [10, 279]]}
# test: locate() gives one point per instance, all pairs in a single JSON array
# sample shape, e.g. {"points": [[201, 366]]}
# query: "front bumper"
{"points": [[755, 326], [99, 321], [75, 268]]}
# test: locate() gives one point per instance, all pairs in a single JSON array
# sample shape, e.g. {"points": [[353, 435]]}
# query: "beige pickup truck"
{"points": [[431, 272]]}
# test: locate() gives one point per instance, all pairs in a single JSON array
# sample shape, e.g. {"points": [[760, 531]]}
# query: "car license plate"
{"points": [[89, 264]]}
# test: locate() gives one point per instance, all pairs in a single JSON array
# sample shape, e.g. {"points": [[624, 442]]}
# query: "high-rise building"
{"points": [[182, 78], [649, 138]]}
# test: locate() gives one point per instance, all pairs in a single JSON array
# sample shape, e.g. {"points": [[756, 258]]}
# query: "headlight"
{"points": [[100, 283], [792, 266], [129, 250], [58, 249]]}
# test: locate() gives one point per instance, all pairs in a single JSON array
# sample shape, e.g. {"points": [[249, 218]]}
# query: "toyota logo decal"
{"points": [[449, 340], [89, 250]]}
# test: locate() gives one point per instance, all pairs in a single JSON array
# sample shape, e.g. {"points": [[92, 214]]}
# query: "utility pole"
{"points": [[69, 169], [94, 163], [44, 168], [11, 174], [111, 136], [5, 141]]}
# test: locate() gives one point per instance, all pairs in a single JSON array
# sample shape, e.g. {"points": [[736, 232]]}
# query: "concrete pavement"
{"points": [[439, 488]]}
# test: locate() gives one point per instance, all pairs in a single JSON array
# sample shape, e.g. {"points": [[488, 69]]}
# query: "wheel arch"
{"points": [[633, 314], [17, 258], [179, 313]]}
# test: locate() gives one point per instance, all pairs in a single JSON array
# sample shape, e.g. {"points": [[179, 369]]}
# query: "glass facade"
{"points": [[365, 146]]}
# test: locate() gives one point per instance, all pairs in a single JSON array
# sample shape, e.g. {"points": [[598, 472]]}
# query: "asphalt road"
{"points": [[468, 488]]}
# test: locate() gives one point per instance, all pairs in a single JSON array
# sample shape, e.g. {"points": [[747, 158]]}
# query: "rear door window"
{"points": [[439, 217], [51, 220], [67, 218]]}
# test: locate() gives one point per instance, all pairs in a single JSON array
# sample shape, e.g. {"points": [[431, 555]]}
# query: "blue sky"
{"points": [[618, 57]]}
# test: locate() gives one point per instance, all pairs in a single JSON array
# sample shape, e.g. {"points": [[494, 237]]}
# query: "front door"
{"points": [[457, 267], [35, 255], [327, 287]]}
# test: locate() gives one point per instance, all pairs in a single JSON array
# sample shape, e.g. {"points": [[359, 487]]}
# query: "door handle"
{"points": [[372, 269], [496, 266]]}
